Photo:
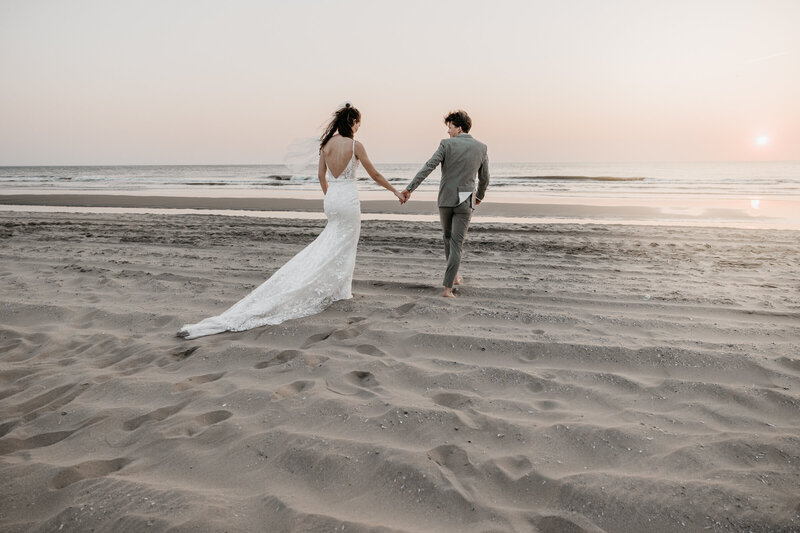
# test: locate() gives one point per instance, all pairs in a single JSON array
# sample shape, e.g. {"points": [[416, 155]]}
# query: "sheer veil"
{"points": [[302, 154]]}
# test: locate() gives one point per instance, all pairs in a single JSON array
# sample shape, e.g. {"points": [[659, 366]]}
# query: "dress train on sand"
{"points": [[318, 275]]}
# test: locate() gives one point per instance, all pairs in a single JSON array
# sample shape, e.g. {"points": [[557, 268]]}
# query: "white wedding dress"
{"points": [[320, 274]]}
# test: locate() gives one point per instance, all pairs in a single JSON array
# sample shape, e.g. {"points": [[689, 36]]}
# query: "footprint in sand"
{"points": [[403, 309], [369, 349], [42, 440], [314, 360], [13, 444], [462, 407], [791, 364], [282, 358], [196, 380], [158, 415], [362, 379], [452, 400], [286, 357], [200, 422], [336, 334], [212, 417], [548, 405], [453, 458], [292, 389], [314, 339], [87, 470], [348, 333], [514, 467], [183, 353], [355, 383], [535, 386]]}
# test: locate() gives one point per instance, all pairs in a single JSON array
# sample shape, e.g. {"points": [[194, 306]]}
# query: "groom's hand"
{"points": [[477, 201], [406, 194]]}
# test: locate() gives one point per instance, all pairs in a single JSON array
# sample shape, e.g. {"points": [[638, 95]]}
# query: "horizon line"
{"points": [[543, 162]]}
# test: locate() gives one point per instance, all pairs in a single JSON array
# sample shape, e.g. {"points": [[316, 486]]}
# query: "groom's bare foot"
{"points": [[448, 292], [459, 280]]}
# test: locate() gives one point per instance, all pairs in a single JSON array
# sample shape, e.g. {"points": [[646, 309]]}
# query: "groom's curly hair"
{"points": [[459, 119]]}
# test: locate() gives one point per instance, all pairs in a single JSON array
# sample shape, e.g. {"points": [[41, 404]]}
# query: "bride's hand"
{"points": [[400, 197]]}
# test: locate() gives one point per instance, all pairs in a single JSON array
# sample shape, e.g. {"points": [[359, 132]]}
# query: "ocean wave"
{"points": [[731, 178], [574, 178]]}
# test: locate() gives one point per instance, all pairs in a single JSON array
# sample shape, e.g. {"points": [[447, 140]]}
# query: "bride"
{"points": [[323, 271]]}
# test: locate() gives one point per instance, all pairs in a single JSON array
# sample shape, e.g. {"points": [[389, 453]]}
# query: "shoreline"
{"points": [[733, 213]]}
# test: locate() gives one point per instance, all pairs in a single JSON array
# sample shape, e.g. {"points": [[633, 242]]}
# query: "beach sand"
{"points": [[588, 378]]}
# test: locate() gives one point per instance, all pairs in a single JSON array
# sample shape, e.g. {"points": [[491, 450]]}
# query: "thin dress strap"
{"points": [[354, 149]]}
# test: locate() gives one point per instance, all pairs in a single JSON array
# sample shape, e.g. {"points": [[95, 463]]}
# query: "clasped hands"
{"points": [[403, 195]]}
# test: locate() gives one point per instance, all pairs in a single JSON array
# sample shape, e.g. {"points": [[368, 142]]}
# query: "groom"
{"points": [[462, 158]]}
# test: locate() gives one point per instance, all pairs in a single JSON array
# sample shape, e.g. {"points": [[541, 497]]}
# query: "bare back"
{"points": [[338, 152]]}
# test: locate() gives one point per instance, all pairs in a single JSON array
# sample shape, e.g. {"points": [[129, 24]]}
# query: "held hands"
{"points": [[403, 195]]}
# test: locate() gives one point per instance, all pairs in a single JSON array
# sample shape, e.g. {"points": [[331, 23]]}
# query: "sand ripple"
{"points": [[589, 379]]}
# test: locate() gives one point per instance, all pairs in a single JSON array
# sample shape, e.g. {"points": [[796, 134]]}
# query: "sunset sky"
{"points": [[201, 82]]}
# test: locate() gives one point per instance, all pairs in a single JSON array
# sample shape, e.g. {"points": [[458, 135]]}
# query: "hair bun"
{"points": [[347, 104]]}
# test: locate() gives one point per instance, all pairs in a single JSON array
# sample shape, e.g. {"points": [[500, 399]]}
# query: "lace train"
{"points": [[314, 278]]}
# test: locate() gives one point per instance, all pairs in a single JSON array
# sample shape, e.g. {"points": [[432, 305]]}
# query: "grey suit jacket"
{"points": [[462, 158]]}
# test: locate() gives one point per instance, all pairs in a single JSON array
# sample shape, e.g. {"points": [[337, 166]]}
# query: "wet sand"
{"points": [[765, 213]]}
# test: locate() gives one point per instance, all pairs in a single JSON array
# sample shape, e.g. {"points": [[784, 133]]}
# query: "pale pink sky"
{"points": [[200, 82]]}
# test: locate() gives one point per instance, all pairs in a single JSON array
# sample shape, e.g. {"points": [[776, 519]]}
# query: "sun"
{"points": [[762, 140]]}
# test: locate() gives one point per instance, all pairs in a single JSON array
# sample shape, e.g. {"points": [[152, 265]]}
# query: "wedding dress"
{"points": [[309, 282]]}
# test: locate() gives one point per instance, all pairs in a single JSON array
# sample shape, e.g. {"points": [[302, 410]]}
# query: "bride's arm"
{"points": [[377, 177], [323, 182]]}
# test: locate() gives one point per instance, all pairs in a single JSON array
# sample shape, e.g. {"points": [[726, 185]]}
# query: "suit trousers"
{"points": [[455, 222]]}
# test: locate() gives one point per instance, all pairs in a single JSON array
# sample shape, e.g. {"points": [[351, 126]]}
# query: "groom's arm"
{"points": [[483, 178], [427, 168]]}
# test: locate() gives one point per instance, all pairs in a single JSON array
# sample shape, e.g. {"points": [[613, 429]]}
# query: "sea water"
{"points": [[721, 179]]}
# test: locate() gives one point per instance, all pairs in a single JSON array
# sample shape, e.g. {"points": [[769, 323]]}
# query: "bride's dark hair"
{"points": [[342, 122]]}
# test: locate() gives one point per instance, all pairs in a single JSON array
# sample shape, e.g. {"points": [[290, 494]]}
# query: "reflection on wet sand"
{"points": [[700, 211]]}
